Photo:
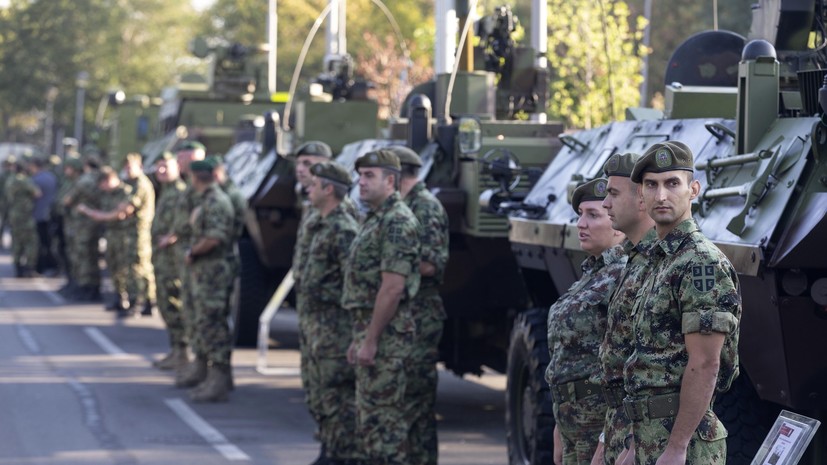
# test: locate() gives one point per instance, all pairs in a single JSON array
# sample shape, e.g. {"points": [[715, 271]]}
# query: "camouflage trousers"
{"points": [[82, 247], [306, 325], [117, 259], [617, 427], [580, 423], [423, 379], [707, 446], [169, 295], [334, 383], [211, 281], [140, 277], [24, 243]]}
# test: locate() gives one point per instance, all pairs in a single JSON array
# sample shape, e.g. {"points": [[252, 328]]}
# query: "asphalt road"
{"points": [[77, 387]]}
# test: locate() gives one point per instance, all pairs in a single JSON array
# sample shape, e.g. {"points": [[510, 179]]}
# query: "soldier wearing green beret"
{"points": [[71, 171], [381, 280], [211, 278], [327, 326], [576, 326], [429, 310], [82, 243], [5, 174], [140, 280], [686, 323], [21, 194], [628, 215]]}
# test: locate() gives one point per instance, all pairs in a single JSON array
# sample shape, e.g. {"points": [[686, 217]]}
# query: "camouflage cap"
{"points": [[201, 166], [382, 158], [620, 165], [592, 190], [406, 155], [73, 162], [190, 145], [332, 171], [314, 147], [662, 157]]}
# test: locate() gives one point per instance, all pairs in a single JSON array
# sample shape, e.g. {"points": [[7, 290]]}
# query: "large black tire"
{"points": [[257, 286], [529, 418], [746, 417]]}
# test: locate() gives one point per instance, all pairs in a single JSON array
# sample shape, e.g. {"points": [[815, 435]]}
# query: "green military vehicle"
{"points": [[754, 120]]}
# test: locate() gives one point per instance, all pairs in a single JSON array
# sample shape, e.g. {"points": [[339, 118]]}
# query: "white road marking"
{"points": [[28, 339], [210, 434], [104, 343]]}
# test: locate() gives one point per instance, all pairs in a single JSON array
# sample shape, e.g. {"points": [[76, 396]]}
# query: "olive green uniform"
{"points": [[165, 265], [20, 194]]}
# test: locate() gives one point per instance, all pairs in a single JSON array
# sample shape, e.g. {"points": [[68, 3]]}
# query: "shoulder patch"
{"points": [[703, 277]]}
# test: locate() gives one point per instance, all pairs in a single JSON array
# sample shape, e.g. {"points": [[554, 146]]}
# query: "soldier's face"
{"points": [[623, 202], [594, 228], [315, 192], [303, 164], [374, 186], [668, 197], [167, 171], [185, 157]]}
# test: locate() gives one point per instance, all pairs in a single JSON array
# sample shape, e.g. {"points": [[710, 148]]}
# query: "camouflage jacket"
{"points": [[692, 288], [321, 273], [143, 199], [20, 194], [387, 242], [308, 220], [239, 204], [213, 218], [166, 207], [181, 225], [111, 200], [577, 320], [434, 238], [84, 191], [618, 341]]}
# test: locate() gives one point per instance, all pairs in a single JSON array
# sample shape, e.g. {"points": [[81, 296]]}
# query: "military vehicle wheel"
{"points": [[529, 417], [747, 418], [254, 293]]}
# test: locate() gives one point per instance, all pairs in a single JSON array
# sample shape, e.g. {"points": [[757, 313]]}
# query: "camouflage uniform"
{"points": [[62, 229], [576, 325], [20, 194], [4, 204], [211, 276], [429, 314], [165, 265], [617, 344], [140, 278], [387, 242], [82, 243], [692, 288], [327, 331], [184, 205], [117, 239]]}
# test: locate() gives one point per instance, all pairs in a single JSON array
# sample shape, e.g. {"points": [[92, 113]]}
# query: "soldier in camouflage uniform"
{"points": [[7, 171], [195, 372], [381, 279], [21, 193], [72, 169], [211, 277], [685, 321], [627, 214], [328, 326], [576, 324], [82, 244], [164, 261], [306, 155], [428, 309], [118, 211], [140, 280]]}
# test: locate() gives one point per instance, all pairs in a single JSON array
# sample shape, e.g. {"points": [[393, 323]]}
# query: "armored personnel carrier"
{"points": [[752, 111]]}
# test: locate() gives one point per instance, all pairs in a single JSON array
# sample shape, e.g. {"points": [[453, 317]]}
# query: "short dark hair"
{"points": [[203, 176], [339, 189], [391, 172], [410, 171]]}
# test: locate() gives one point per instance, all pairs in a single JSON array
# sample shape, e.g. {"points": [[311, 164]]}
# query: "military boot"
{"points": [[176, 359], [68, 289], [216, 387], [192, 374]]}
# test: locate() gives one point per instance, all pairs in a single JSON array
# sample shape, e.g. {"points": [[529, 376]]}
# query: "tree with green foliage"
{"points": [[595, 61]]}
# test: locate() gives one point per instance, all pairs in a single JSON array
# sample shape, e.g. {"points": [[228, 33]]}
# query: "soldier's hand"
{"points": [[366, 355]]}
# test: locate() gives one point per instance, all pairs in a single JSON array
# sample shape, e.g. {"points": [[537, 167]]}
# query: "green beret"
{"points": [[382, 158], [214, 160], [406, 155], [592, 190], [314, 147], [620, 165], [332, 171], [190, 145], [166, 156], [662, 157], [73, 162], [201, 166]]}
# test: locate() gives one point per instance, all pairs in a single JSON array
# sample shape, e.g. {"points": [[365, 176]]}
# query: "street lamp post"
{"points": [[51, 96], [81, 82]]}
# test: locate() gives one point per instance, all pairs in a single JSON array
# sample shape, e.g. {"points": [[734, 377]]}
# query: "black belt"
{"points": [[575, 390], [660, 406], [614, 394]]}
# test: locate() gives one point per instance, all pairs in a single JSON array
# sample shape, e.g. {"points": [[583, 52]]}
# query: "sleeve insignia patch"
{"points": [[703, 277]]}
